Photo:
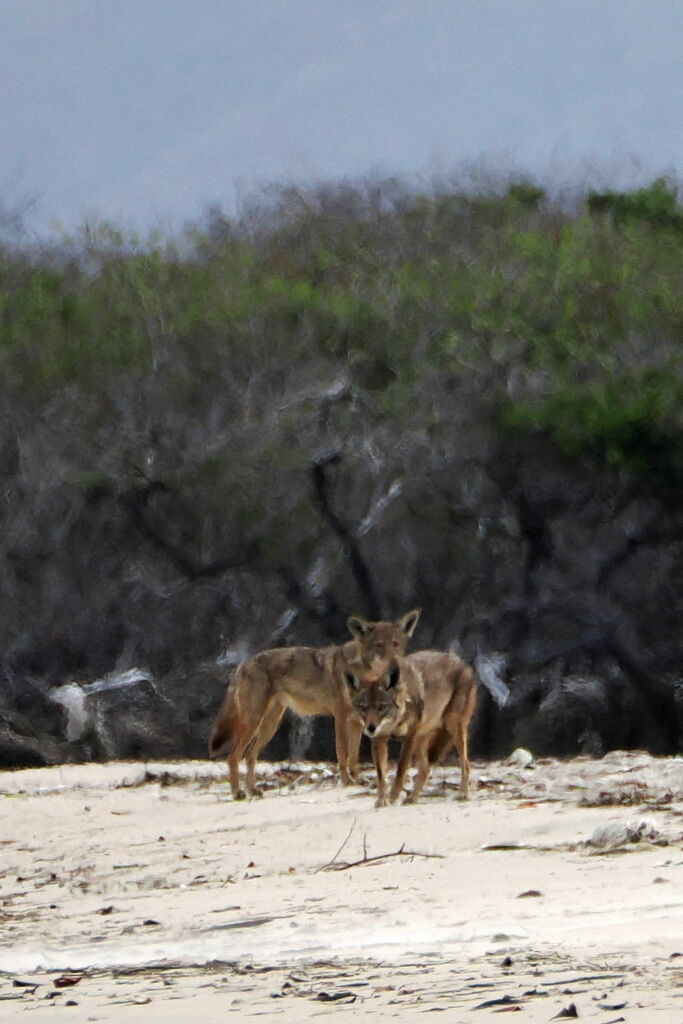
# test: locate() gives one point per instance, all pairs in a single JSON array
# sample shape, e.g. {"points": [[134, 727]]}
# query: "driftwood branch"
{"points": [[326, 867], [401, 852]]}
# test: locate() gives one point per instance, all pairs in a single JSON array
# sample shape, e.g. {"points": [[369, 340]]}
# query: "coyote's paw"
{"points": [[240, 795]]}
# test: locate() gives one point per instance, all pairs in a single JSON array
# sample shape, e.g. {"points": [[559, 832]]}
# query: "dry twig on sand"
{"points": [[335, 865]]}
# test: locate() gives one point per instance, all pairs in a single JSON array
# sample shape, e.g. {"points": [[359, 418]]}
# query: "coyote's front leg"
{"points": [[341, 718], [354, 731], [380, 751], [423, 768], [404, 763]]}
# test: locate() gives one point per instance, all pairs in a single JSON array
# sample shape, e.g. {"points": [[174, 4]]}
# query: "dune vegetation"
{"points": [[351, 398]]}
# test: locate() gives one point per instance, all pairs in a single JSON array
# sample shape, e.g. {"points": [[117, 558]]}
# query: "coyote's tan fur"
{"points": [[309, 680], [427, 699]]}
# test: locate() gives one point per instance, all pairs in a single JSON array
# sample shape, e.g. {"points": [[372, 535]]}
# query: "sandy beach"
{"points": [[136, 891]]}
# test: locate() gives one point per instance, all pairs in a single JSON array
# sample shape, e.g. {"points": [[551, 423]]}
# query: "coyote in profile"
{"points": [[427, 699], [311, 681]]}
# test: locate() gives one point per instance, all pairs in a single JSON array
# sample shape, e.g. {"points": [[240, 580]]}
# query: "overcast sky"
{"points": [[147, 111]]}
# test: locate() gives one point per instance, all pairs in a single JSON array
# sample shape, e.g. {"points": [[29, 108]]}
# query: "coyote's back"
{"points": [[251, 711]]}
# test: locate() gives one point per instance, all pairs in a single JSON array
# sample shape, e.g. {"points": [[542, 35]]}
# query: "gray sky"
{"points": [[147, 111]]}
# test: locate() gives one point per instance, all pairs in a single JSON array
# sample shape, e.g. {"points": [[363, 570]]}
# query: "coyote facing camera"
{"points": [[427, 700], [311, 681]]}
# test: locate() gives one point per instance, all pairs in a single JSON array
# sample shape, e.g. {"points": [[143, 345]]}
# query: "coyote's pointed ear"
{"points": [[409, 621], [352, 681], [393, 676], [358, 627]]}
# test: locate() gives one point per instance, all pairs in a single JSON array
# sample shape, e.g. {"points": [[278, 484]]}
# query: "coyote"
{"points": [[427, 699], [311, 681]]}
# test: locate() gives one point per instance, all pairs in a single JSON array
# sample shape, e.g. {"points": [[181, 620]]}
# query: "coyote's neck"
{"points": [[354, 659]]}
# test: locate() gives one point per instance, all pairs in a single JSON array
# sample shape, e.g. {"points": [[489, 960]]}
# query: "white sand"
{"points": [[147, 886]]}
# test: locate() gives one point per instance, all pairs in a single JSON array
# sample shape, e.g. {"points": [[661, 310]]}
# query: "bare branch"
{"points": [[359, 567], [402, 852]]}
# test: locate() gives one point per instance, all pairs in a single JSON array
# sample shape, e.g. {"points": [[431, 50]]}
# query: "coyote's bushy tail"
{"points": [[224, 728]]}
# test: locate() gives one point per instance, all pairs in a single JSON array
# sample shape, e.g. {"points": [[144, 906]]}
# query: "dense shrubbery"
{"points": [[354, 398]]}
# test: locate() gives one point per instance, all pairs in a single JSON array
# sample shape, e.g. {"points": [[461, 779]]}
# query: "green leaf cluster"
{"points": [[567, 317]]}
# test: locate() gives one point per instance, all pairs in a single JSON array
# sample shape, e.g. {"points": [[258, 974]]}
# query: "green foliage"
{"points": [[526, 194], [656, 205], [554, 317], [630, 422]]}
